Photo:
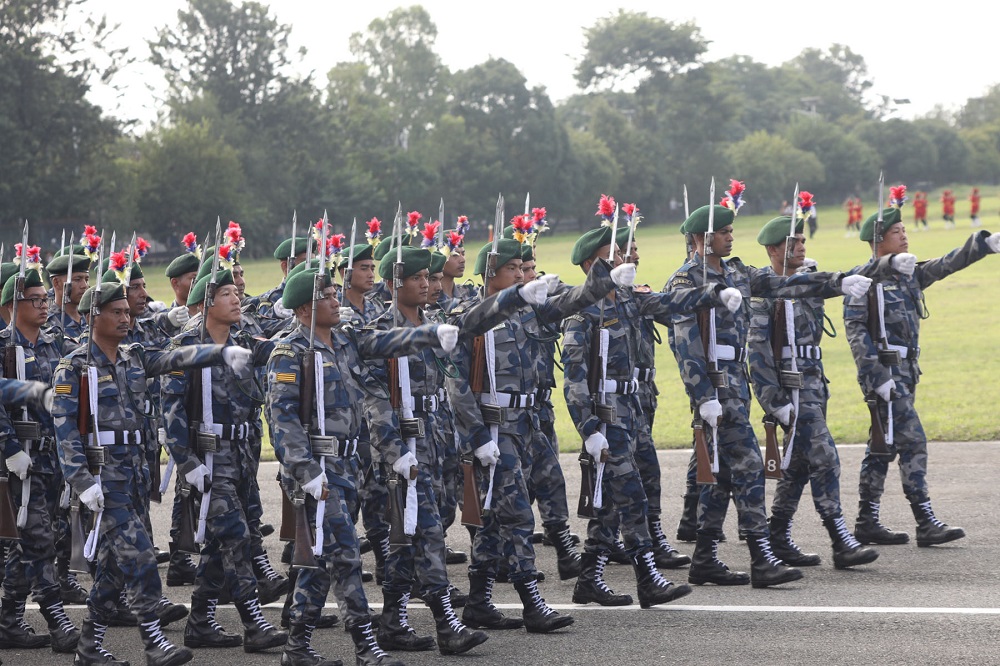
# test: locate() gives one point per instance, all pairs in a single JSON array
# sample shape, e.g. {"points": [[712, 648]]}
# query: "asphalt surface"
{"points": [[912, 606]]}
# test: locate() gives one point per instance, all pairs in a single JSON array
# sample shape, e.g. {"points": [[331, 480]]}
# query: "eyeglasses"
{"points": [[39, 302]]}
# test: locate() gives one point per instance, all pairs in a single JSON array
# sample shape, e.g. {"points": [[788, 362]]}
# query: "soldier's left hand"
{"points": [[534, 292], [855, 286], [236, 357], [624, 275], [19, 463], [993, 240], [731, 298], [448, 336]]}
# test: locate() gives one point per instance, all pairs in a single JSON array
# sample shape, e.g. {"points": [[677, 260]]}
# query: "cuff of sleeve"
{"points": [[10, 447], [589, 427], [311, 471]]}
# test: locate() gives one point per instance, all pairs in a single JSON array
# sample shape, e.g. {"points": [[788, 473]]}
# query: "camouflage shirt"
{"points": [[40, 361]]}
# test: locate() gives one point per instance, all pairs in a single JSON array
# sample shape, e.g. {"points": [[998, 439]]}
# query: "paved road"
{"points": [[912, 606]]}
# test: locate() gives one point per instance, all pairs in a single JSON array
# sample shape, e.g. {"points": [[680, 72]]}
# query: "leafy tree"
{"points": [[952, 152], [848, 162], [837, 77], [906, 154], [984, 152], [979, 111], [770, 165]]}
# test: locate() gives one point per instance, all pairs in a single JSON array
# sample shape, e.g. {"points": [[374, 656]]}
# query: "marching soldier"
{"points": [[124, 553], [319, 455], [454, 267], [182, 272], [267, 309], [886, 346], [726, 408], [66, 320]]}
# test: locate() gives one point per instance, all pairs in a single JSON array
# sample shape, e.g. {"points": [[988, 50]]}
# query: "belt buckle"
{"points": [[889, 357], [97, 456], [411, 428], [206, 442], [719, 378], [606, 413], [493, 414], [28, 430], [791, 380], [323, 445]]}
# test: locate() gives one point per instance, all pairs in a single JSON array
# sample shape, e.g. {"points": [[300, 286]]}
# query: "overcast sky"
{"points": [[939, 57]]}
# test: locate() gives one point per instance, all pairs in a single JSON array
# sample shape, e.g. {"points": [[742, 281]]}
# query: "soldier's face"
{"points": [[182, 285], [722, 241], [328, 309], [528, 269], [363, 275], [413, 293], [113, 321], [137, 297], [434, 288], [455, 266], [33, 309], [894, 240], [605, 251], [80, 283], [226, 308], [239, 280], [633, 257], [507, 276]]}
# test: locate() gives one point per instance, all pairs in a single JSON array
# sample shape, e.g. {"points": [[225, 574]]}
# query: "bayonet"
{"points": [[290, 264], [688, 242], [19, 282], [491, 258], [710, 233], [877, 237], [349, 272], [441, 223], [69, 275], [614, 235], [128, 265], [309, 247], [790, 239], [631, 232], [212, 280]]}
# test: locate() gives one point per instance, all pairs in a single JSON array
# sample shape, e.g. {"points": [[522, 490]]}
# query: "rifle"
{"points": [[87, 416], [286, 532], [302, 552], [8, 521], [291, 252], [349, 271], [881, 437], [706, 328], [703, 461], [772, 458], [472, 503]]}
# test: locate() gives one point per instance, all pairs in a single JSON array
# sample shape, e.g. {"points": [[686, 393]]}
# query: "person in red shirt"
{"points": [[974, 209], [920, 209], [853, 207], [948, 208]]}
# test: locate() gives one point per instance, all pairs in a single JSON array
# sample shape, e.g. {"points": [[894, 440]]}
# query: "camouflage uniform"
{"points": [[73, 329], [261, 309]]}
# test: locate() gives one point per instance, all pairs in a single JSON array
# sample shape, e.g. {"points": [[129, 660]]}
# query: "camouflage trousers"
{"points": [[546, 483], [225, 557], [814, 461], [646, 461], [624, 500], [424, 558], [374, 498], [254, 508], [340, 563], [451, 482], [507, 528], [125, 559], [910, 444], [30, 563], [741, 472]]}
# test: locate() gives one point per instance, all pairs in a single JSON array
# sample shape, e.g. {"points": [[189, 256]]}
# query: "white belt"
{"points": [[644, 374], [803, 351], [230, 432], [728, 353], [903, 350], [509, 399], [619, 386], [113, 437]]}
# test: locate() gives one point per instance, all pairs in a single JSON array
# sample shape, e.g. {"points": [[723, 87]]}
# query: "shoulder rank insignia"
{"points": [[285, 377], [577, 317], [63, 389]]}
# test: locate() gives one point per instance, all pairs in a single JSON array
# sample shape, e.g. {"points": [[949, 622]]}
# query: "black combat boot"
{"points": [[299, 650], [14, 631], [453, 556], [618, 554], [270, 584], [666, 556], [62, 632], [159, 650], [479, 611], [286, 552], [766, 569], [930, 530], [366, 649], [538, 617], [394, 630], [181, 570], [258, 633], [70, 590], [652, 588], [90, 650], [707, 568], [847, 551], [868, 528], [380, 549], [169, 612], [590, 586], [785, 548], [567, 559], [453, 637], [203, 630], [687, 528], [122, 615]]}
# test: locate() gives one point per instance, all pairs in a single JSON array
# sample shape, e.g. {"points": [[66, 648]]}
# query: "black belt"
{"points": [[645, 374], [428, 403], [543, 395], [331, 446]]}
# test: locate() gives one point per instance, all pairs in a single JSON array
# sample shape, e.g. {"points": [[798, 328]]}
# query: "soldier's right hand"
{"points": [[236, 357], [711, 412], [534, 292], [595, 444], [550, 280], [731, 298], [623, 275], [405, 464], [19, 463], [488, 454], [316, 487], [904, 263], [179, 316], [784, 414], [885, 390], [855, 286], [196, 477], [93, 498]]}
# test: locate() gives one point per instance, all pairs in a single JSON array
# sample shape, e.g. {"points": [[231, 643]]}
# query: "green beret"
{"points": [[361, 252], [527, 252], [414, 261], [31, 279], [312, 265], [684, 227], [382, 249], [110, 292], [589, 243], [697, 223], [111, 276], [186, 263], [438, 261], [58, 266], [284, 248], [507, 249], [77, 248], [197, 293], [299, 288], [622, 238], [776, 231], [890, 216], [7, 269]]}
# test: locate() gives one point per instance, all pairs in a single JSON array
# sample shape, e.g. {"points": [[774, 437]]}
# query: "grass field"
{"points": [[959, 389]]}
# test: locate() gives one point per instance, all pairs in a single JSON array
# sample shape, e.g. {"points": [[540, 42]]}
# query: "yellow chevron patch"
{"points": [[285, 377], [63, 389]]}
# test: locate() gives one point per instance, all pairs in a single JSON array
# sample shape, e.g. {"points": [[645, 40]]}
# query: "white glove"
{"points": [[711, 412], [315, 487], [731, 298], [784, 414], [904, 263], [855, 286], [488, 454], [93, 498], [551, 281], [179, 316], [346, 314], [404, 463], [236, 357], [156, 306], [595, 444], [19, 463], [808, 263], [885, 390], [281, 311], [534, 292], [196, 477], [624, 275], [448, 336], [49, 400], [993, 240], [161, 436]]}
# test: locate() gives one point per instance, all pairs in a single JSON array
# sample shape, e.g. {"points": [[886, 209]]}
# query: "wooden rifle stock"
{"points": [[472, 503], [477, 368], [703, 461], [594, 364], [395, 397], [779, 334], [287, 530], [78, 538], [10, 360], [154, 476], [772, 455], [307, 389], [878, 446], [588, 483], [302, 554], [8, 519]]}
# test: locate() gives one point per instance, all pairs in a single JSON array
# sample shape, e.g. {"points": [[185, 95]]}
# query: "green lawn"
{"points": [[957, 341]]}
